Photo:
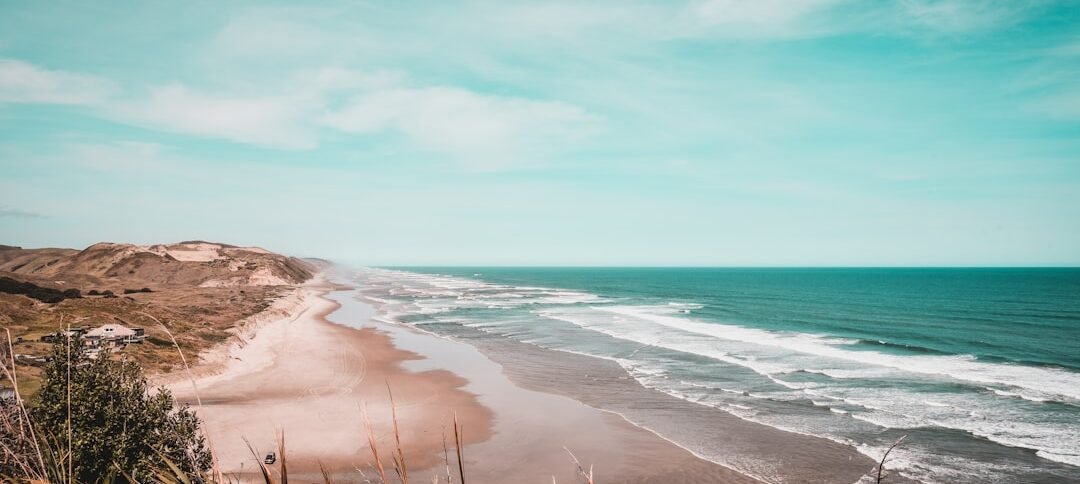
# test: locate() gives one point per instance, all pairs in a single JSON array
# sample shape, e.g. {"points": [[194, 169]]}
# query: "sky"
{"points": [[699, 132]]}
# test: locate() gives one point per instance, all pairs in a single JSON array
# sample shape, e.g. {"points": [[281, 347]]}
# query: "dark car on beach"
{"points": [[270, 458]]}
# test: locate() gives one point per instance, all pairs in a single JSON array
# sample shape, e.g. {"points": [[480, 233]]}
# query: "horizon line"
{"points": [[557, 266]]}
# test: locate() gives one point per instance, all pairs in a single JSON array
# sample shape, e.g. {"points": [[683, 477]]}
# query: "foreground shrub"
{"points": [[94, 419]]}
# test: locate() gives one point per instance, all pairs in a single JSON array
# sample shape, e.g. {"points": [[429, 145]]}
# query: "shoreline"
{"points": [[535, 429], [511, 433], [766, 453], [776, 456], [374, 303], [306, 367]]}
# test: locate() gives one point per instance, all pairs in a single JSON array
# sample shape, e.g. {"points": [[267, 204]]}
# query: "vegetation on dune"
{"points": [[201, 297], [200, 317], [34, 291]]}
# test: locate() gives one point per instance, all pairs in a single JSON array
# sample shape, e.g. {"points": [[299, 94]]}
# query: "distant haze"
{"points": [[704, 132]]}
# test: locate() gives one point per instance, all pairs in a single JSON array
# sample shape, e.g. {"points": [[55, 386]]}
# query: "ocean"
{"points": [[978, 368]]}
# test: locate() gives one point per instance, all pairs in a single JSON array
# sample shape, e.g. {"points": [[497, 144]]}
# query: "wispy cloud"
{"points": [[21, 82], [779, 117], [466, 124], [277, 114], [1051, 81], [744, 20], [317, 74], [483, 130], [19, 214], [274, 121], [965, 16], [790, 19]]}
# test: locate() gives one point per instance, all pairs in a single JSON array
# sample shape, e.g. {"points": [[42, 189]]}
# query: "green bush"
{"points": [[109, 420]]}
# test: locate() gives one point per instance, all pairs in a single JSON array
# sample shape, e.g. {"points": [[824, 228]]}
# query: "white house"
{"points": [[113, 335]]}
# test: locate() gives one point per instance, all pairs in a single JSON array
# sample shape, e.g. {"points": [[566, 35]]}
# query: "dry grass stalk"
{"points": [[587, 475], [328, 478], [267, 476], [281, 458], [881, 466], [70, 437], [183, 359], [24, 425], [446, 458], [457, 442], [373, 445], [399, 456], [14, 425]]}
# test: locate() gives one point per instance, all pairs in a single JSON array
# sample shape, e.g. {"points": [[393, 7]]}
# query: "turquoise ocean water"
{"points": [[980, 368]]}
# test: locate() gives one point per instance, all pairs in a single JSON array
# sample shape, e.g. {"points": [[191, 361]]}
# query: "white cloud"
{"points": [[333, 79], [275, 121], [292, 92], [270, 120], [289, 113], [281, 114], [21, 82], [483, 130]]}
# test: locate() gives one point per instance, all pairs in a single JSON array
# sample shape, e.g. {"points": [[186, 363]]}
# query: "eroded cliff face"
{"points": [[187, 263]]}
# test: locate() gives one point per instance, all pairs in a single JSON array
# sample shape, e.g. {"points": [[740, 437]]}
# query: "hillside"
{"points": [[199, 290], [187, 263]]}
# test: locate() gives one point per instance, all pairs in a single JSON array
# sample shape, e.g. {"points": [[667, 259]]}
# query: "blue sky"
{"points": [[706, 132]]}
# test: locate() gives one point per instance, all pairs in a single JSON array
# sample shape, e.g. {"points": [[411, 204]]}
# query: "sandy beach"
{"points": [[306, 378], [306, 375]]}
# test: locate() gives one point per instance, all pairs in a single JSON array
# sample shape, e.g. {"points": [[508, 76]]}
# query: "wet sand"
{"points": [[764, 452], [534, 430], [768, 453]]}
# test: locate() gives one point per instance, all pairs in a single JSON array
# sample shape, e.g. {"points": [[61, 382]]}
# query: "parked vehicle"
{"points": [[271, 458]]}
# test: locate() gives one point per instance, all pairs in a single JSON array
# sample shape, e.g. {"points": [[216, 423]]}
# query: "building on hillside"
{"points": [[112, 336]]}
